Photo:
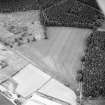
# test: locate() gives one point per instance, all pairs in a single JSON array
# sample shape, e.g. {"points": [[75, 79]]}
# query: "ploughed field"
{"points": [[72, 13]]}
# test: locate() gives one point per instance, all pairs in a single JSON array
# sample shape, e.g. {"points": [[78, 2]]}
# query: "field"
{"points": [[59, 55], [14, 63]]}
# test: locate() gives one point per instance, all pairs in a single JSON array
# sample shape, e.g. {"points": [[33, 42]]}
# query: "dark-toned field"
{"points": [[94, 66]]}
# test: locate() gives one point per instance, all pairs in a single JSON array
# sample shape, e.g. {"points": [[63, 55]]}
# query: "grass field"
{"points": [[59, 55], [14, 63]]}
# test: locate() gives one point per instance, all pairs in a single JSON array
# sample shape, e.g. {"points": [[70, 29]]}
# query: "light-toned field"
{"points": [[15, 63], [60, 55]]}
